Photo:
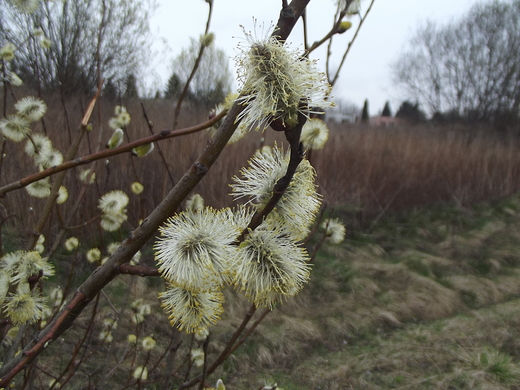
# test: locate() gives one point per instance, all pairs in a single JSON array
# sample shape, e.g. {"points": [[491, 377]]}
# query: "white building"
{"points": [[339, 114]]}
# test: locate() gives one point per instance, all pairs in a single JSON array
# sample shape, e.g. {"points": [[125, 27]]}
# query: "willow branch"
{"points": [[316, 225], [164, 134], [319, 244], [296, 156], [333, 30], [51, 199], [108, 271], [305, 31], [249, 331], [195, 68], [351, 43], [139, 270], [225, 352], [288, 17], [284, 27], [163, 158]]}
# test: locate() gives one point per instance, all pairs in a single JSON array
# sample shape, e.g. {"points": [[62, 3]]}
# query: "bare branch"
{"points": [[165, 134]]}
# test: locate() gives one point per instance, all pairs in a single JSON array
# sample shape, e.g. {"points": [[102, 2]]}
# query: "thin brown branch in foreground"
{"points": [[139, 270], [194, 70], [163, 158], [108, 271], [296, 156], [108, 153], [351, 43], [225, 352], [249, 331]]}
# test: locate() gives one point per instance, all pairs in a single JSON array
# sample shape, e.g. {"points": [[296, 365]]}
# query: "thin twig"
{"points": [[296, 156], [225, 352], [194, 69], [351, 43], [139, 270], [250, 330], [329, 35], [108, 271], [108, 153], [163, 158], [73, 365]]}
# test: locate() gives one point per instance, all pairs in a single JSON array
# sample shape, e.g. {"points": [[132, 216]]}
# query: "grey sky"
{"points": [[366, 73]]}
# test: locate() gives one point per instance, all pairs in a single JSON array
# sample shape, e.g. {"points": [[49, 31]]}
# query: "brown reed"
{"points": [[362, 168]]}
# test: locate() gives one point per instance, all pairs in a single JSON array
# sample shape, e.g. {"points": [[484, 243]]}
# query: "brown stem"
{"points": [[305, 33], [108, 271], [329, 35], [73, 365], [107, 153], [351, 43], [225, 352], [163, 158], [194, 70], [171, 348], [284, 26], [288, 18], [83, 224], [318, 246], [296, 156], [170, 359], [139, 270], [316, 225], [250, 330], [204, 372]]}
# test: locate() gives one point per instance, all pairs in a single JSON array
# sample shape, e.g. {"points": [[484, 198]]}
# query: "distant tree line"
{"points": [[467, 70], [407, 110]]}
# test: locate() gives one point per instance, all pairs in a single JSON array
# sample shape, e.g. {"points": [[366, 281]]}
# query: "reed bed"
{"points": [[361, 168]]}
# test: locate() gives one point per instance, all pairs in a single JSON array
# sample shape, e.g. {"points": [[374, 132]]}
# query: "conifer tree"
{"points": [[411, 112], [386, 110], [174, 87], [365, 116], [131, 87]]}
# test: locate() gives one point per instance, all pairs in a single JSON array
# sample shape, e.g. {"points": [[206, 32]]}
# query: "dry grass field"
{"points": [[423, 294], [429, 299], [367, 169]]}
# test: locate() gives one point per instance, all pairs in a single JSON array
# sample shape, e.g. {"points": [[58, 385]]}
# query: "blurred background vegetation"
{"points": [[423, 294]]}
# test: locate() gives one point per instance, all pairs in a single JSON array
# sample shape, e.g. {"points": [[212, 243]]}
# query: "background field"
{"points": [[422, 294], [365, 169]]}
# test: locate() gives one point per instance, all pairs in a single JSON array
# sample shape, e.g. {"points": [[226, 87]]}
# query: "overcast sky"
{"points": [[366, 74]]}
